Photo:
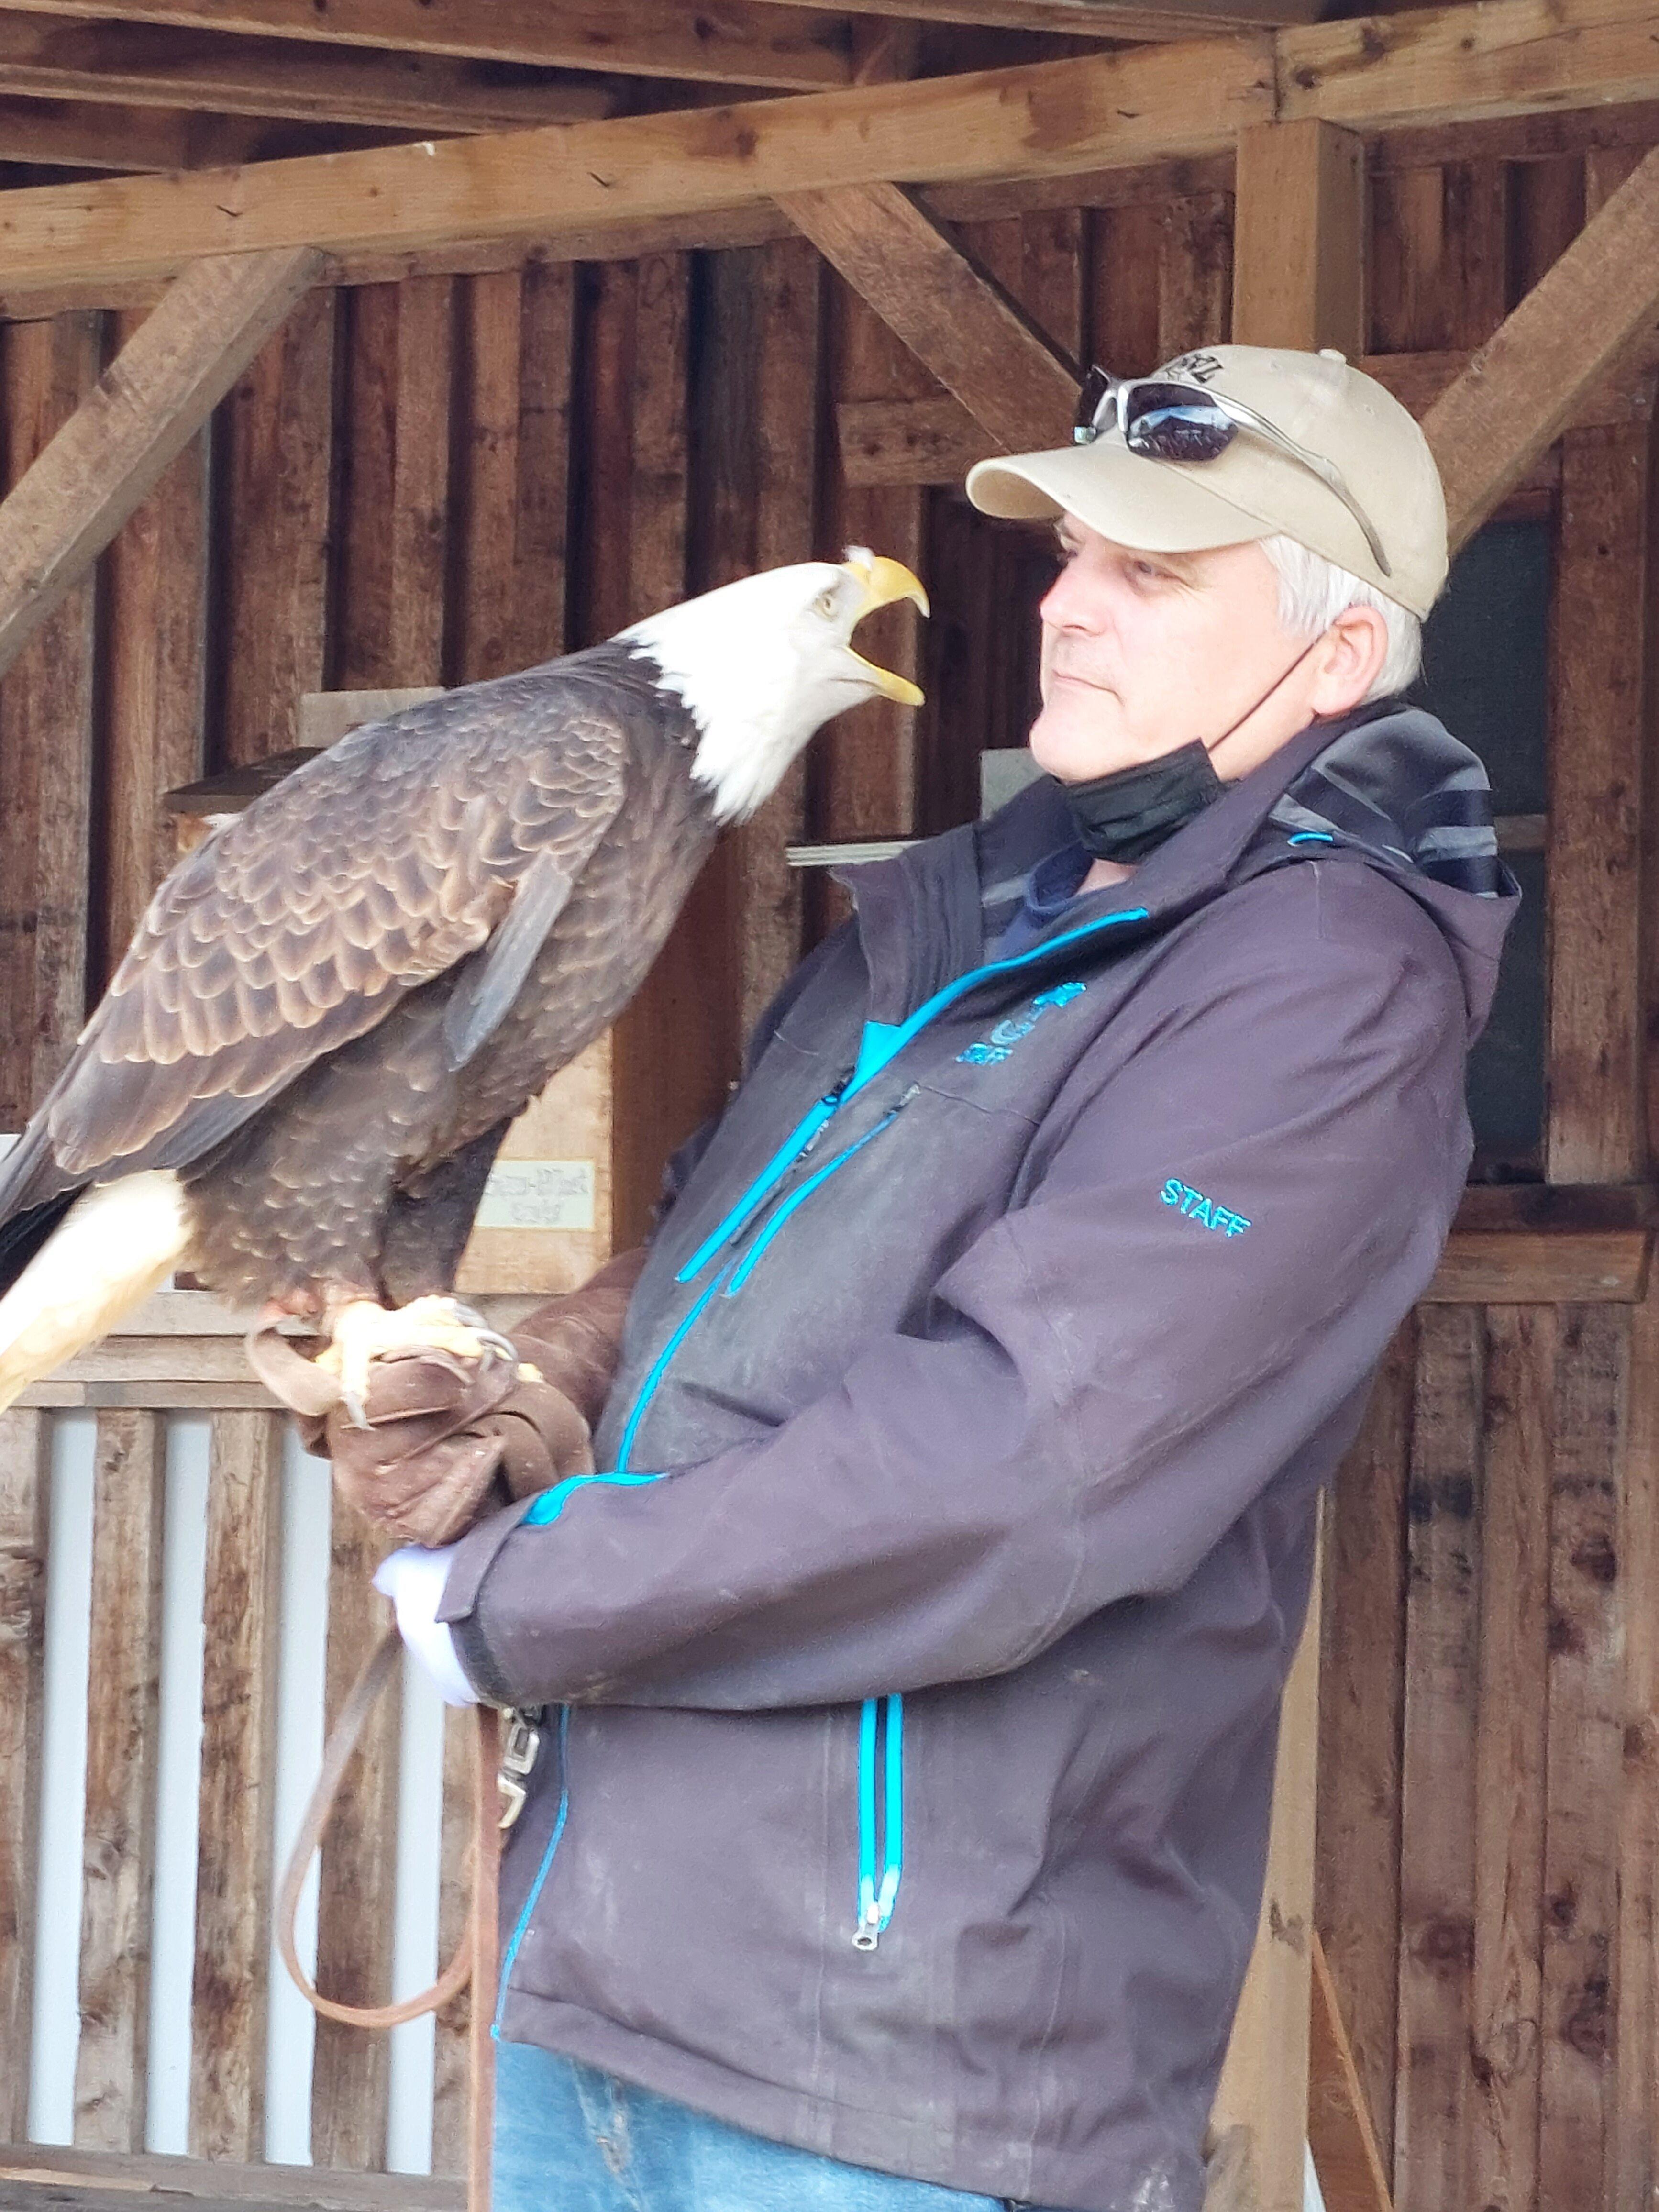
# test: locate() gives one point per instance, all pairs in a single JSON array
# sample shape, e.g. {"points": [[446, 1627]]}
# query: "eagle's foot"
{"points": [[364, 1332]]}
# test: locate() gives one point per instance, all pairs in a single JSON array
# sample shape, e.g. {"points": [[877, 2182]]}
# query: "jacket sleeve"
{"points": [[1221, 1236]]}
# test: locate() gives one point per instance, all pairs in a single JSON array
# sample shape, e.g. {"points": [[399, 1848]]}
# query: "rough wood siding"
{"points": [[449, 477]]}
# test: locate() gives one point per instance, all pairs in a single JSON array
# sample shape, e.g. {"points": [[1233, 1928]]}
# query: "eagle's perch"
{"points": [[334, 1007]]}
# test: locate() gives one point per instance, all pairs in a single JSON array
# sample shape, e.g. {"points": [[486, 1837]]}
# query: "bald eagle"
{"points": [[333, 1008]]}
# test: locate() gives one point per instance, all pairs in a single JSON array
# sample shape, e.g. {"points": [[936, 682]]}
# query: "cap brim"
{"points": [[1126, 497]]}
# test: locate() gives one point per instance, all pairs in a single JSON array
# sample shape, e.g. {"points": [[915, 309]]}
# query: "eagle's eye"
{"points": [[824, 604]]}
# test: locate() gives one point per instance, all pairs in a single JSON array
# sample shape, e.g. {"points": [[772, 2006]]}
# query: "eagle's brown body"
{"points": [[277, 1034]]}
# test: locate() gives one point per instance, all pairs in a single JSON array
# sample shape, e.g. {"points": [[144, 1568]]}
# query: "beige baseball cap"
{"points": [[1255, 488]]}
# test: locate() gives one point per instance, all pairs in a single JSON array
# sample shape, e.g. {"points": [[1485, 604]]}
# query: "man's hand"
{"points": [[448, 1440]]}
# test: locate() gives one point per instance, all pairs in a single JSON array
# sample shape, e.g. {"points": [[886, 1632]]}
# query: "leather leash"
{"points": [[476, 1959]]}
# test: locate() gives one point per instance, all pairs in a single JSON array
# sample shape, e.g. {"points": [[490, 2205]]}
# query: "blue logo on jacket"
{"points": [[990, 1050], [1203, 1211]]}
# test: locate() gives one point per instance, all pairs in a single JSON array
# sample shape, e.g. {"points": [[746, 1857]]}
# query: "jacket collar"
{"points": [[921, 915]]}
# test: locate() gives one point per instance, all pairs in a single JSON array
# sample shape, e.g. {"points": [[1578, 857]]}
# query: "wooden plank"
{"points": [[156, 629], [1633, 2167], [1546, 1268], [757, 440], [52, 2174], [394, 489], [24, 1445], [1050, 116], [142, 412], [351, 2072], [166, 66], [238, 1719], [1079, 18], [1438, 1768], [945, 309], [274, 460], [1296, 280], [642, 469], [1264, 2080], [1520, 389], [1195, 274], [1594, 1127], [743, 42], [1346, 2160], [513, 387], [1583, 1775], [123, 1705], [47, 749], [1508, 1812], [1361, 1690]]}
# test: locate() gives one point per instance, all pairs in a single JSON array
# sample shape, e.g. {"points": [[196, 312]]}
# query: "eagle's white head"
{"points": [[762, 663]]}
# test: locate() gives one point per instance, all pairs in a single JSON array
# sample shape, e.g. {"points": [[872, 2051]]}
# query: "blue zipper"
{"points": [[515, 1942], [881, 1042], [745, 1266], [877, 1897]]}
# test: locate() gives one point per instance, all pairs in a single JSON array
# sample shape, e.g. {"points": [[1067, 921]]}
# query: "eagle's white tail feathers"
{"points": [[115, 1245]]}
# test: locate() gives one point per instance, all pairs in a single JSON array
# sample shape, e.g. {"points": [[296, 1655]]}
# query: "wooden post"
{"points": [[123, 1701], [1298, 238], [239, 1719], [1297, 253]]}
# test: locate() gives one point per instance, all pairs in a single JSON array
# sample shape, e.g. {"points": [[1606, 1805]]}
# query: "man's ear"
{"points": [[1352, 654]]}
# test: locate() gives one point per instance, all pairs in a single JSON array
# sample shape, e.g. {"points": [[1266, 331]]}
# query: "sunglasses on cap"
{"points": [[1162, 421]]}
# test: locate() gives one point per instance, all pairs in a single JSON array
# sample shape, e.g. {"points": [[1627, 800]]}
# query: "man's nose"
{"points": [[1067, 604]]}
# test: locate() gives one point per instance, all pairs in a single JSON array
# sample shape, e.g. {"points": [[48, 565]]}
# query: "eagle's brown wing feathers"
{"points": [[300, 925]]}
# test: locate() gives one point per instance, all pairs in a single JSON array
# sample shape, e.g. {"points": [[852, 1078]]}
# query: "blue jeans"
{"points": [[571, 2139]]}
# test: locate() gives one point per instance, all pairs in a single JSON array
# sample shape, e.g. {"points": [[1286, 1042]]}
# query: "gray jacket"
{"points": [[915, 1663]]}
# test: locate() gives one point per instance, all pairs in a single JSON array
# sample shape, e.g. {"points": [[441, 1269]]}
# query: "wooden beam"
{"points": [[1452, 65], [1298, 280], [145, 65], [77, 134], [1082, 19], [739, 42], [953, 318], [1051, 118], [1520, 388], [1046, 119], [146, 408]]}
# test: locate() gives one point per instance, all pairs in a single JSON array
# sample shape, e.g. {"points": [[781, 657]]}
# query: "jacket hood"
{"points": [[1387, 783]]}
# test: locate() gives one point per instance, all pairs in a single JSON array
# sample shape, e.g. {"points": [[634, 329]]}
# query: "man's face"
{"points": [[1142, 653]]}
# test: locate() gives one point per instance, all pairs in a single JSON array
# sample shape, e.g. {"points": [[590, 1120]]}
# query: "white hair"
{"points": [[1313, 592]]}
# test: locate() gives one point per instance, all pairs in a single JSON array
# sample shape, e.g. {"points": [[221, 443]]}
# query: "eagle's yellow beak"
{"points": [[882, 582]]}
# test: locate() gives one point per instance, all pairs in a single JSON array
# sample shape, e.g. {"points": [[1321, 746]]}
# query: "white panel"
{"points": [[63, 1780], [301, 1683], [178, 1769], [415, 1956]]}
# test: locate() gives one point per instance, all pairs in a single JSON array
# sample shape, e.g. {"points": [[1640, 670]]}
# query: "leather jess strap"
{"points": [[380, 1669]]}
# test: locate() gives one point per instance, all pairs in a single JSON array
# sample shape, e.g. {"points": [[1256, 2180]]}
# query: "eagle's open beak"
{"points": [[883, 581]]}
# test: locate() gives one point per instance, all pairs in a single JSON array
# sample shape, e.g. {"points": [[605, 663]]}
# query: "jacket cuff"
{"points": [[458, 1608]]}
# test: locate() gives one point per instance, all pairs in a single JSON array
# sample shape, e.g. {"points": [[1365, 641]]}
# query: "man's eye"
{"points": [[1148, 572]]}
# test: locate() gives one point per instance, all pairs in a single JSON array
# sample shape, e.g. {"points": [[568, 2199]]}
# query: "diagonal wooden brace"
{"points": [[1519, 389], [956, 320], [145, 409]]}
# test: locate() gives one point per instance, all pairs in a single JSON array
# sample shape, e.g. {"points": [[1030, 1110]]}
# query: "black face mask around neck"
{"points": [[1128, 814]]}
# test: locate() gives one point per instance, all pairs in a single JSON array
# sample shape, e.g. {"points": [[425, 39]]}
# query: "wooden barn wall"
{"points": [[452, 477]]}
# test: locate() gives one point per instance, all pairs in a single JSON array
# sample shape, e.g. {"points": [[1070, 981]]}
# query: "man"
{"points": [[911, 1667]]}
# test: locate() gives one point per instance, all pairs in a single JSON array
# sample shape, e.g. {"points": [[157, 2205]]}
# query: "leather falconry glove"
{"points": [[448, 1440]]}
